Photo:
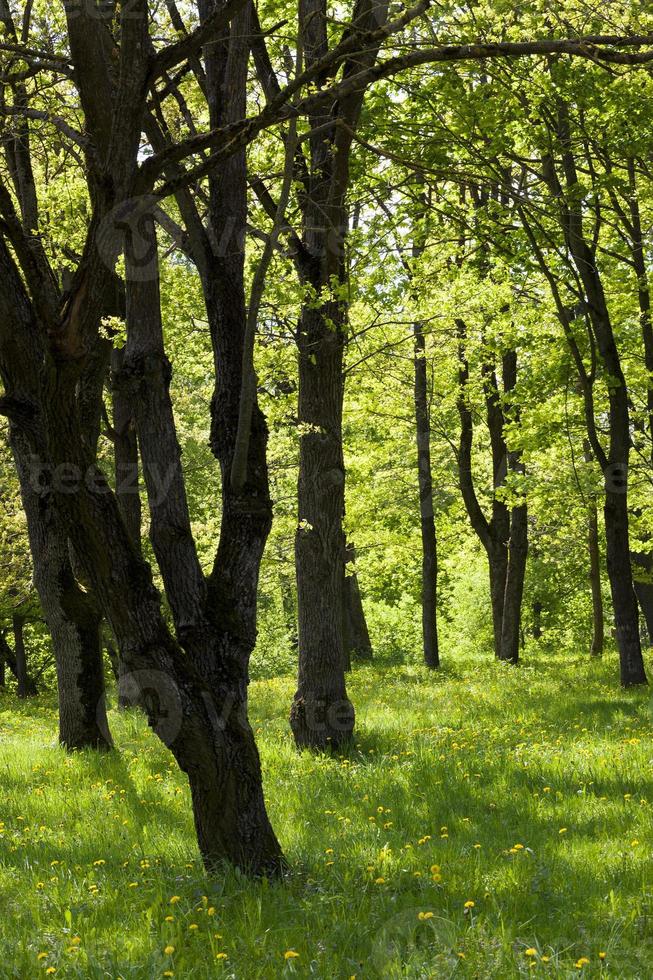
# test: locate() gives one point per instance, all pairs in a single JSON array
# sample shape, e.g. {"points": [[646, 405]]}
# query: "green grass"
{"points": [[477, 771]]}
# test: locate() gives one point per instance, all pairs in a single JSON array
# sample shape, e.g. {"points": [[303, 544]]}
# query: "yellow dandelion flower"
{"points": [[169, 950], [581, 962], [193, 926], [175, 899], [290, 954], [602, 956], [424, 916], [469, 904], [379, 881], [170, 918], [221, 956], [50, 970], [42, 956], [531, 951]]}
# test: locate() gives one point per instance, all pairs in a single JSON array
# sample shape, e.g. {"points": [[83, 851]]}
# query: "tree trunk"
{"points": [[8, 658], [21, 657], [288, 603], [514, 590], [624, 600], [498, 565], [643, 582], [598, 629], [72, 617], [537, 620], [426, 507], [356, 636], [125, 448], [322, 715]]}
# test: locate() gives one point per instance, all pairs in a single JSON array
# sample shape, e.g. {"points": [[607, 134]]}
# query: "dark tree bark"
{"points": [[643, 580], [426, 504], [22, 688], [71, 615], [125, 449], [537, 620], [598, 630], [356, 636], [288, 601], [8, 658]]}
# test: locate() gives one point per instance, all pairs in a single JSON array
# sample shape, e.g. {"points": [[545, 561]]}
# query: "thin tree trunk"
{"points": [[288, 603], [9, 659], [643, 581], [356, 636], [598, 629], [426, 507], [514, 590], [21, 657]]}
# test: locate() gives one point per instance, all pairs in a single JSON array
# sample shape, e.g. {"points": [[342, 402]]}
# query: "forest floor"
{"points": [[489, 822]]}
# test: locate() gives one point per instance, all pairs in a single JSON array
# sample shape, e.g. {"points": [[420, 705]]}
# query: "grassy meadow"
{"points": [[488, 822]]}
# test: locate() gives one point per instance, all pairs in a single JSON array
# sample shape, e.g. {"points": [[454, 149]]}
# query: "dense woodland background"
{"points": [[325, 335]]}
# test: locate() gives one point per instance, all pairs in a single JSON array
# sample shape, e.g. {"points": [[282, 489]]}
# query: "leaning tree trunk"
{"points": [[598, 629]]}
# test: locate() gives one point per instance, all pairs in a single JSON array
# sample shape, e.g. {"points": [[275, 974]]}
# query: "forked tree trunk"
{"points": [[598, 628]]}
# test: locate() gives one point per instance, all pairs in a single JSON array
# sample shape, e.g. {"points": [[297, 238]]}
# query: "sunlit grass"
{"points": [[527, 792]]}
